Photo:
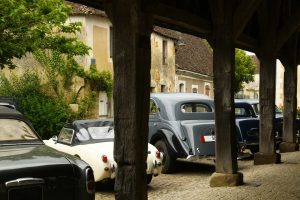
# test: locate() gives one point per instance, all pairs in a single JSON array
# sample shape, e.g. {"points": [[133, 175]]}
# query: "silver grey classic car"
{"points": [[181, 125], [30, 170]]}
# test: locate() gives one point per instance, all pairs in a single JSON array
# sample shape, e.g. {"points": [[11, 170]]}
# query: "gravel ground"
{"points": [[191, 182]]}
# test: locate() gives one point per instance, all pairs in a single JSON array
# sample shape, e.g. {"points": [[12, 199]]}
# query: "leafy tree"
{"points": [[47, 113], [244, 70], [27, 25], [38, 27]]}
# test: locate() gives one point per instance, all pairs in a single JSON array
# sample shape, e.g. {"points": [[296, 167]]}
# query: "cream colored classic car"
{"points": [[92, 141]]}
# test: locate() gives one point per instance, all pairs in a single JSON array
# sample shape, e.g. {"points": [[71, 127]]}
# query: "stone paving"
{"points": [[191, 182]]}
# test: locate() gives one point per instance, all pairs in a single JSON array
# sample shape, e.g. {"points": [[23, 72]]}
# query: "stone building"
{"points": [[96, 33], [194, 65], [193, 62], [163, 70], [179, 62]]}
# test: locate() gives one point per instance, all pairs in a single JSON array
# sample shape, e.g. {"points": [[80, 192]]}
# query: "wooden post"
{"points": [[223, 67], [132, 60], [268, 15], [289, 60]]}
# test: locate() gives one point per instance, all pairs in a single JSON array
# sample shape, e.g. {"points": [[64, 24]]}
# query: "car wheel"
{"points": [[168, 159], [149, 178]]}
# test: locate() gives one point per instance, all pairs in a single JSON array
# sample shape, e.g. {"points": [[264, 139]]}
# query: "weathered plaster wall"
{"points": [[162, 74], [192, 80]]}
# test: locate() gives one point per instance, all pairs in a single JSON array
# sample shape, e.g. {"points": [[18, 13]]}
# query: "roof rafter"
{"points": [[290, 26], [242, 15], [170, 15]]}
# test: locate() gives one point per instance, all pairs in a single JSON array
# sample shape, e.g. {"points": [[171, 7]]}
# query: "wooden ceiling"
{"points": [[196, 17]]}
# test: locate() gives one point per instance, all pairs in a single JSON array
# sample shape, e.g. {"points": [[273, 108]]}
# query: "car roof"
{"points": [[6, 112], [8, 105], [178, 97], [91, 122], [249, 101]]}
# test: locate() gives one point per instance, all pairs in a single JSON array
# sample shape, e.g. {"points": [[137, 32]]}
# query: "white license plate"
{"points": [[210, 138]]}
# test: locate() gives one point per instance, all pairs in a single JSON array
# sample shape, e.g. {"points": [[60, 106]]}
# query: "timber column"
{"points": [[267, 154], [268, 24], [289, 60], [223, 67], [132, 60]]}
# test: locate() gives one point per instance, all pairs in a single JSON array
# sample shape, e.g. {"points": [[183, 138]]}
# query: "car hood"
{"points": [[33, 161]]}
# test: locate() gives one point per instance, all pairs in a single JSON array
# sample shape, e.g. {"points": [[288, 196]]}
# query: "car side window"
{"points": [[195, 108], [153, 108], [65, 135], [241, 112]]}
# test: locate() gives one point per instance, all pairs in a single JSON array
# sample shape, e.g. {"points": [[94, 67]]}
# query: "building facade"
{"points": [[163, 70]]}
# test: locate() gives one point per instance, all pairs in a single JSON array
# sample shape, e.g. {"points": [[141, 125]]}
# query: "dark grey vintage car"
{"points": [[249, 108], [29, 170], [181, 125]]}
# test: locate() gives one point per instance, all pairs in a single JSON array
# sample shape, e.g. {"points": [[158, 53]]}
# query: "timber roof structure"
{"points": [[199, 17]]}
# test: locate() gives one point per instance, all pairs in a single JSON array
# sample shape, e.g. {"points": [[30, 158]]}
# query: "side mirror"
{"points": [[54, 138]]}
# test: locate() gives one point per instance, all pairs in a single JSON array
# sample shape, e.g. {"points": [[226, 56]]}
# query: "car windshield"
{"points": [[16, 131], [257, 112]]}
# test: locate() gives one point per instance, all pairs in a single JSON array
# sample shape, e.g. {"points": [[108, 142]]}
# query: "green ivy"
{"points": [[56, 64], [99, 81]]}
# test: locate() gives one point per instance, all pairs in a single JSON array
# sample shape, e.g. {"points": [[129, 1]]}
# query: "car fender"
{"points": [[171, 139]]}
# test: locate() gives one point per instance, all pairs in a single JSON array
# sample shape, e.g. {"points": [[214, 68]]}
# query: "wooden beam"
{"points": [[243, 14], [223, 68], [132, 61], [268, 15], [289, 60], [98, 4], [289, 27], [165, 14], [247, 43]]}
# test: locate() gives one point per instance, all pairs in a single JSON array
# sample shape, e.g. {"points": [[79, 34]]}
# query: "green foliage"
{"points": [[85, 105], [38, 26], [56, 64], [244, 70], [47, 113], [27, 25], [99, 81]]}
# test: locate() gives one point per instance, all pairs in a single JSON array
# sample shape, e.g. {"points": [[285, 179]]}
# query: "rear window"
{"points": [[95, 133], [195, 108], [104, 132], [13, 130]]}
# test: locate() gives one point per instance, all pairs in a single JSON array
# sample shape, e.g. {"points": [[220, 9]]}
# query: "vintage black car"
{"points": [[182, 125], [249, 108], [30, 170]]}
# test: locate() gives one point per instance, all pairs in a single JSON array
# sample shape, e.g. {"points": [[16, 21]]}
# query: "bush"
{"points": [[47, 114]]}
